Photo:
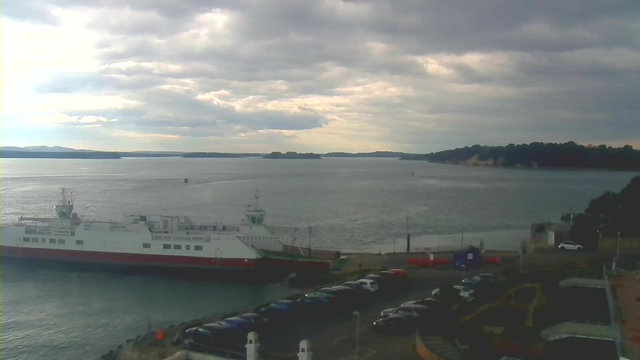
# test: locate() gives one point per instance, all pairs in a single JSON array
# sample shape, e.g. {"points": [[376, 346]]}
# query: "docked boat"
{"points": [[174, 242]]}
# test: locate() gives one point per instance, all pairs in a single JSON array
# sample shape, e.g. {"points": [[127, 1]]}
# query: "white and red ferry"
{"points": [[161, 241]]}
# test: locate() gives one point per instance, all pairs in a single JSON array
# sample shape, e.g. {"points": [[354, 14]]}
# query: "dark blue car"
{"points": [[282, 310], [215, 335]]}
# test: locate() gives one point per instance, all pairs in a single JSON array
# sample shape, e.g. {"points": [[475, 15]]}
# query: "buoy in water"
{"points": [[186, 180]]}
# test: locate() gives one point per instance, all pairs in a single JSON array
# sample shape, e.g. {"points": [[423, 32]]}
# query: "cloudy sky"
{"points": [[417, 76]]}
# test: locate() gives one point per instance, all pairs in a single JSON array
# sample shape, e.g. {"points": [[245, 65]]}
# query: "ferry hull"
{"points": [[103, 257], [243, 270]]}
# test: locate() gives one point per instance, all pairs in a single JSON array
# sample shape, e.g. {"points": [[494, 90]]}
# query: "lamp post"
{"points": [[618, 247], [357, 314]]}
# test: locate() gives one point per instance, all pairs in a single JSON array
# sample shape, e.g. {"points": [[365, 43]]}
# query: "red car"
{"points": [[400, 273]]}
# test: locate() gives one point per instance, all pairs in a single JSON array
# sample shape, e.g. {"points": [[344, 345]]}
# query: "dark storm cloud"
{"points": [[469, 71]]}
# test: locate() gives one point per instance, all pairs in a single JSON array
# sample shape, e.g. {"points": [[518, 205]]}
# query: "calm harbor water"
{"points": [[352, 204]]}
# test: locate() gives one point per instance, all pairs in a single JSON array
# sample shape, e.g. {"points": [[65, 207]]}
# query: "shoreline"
{"points": [[564, 168]]}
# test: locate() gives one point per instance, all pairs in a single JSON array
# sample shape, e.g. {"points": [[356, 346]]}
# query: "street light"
{"points": [[357, 314], [618, 247]]}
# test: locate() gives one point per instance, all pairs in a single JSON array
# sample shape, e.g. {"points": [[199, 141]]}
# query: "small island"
{"points": [[211, 155], [375, 154], [537, 154], [292, 155]]}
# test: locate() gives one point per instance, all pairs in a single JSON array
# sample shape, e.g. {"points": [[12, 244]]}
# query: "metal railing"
{"points": [[582, 274], [207, 349], [613, 308], [579, 329]]}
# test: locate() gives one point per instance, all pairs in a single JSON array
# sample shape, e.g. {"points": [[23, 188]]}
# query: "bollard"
{"points": [[253, 345], [305, 350]]}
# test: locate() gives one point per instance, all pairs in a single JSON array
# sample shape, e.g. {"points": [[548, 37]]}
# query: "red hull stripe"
{"points": [[128, 259]]}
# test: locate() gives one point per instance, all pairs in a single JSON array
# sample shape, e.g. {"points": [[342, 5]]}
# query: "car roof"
{"points": [[214, 326], [284, 301], [367, 281], [350, 282], [252, 315], [340, 287], [235, 318]]}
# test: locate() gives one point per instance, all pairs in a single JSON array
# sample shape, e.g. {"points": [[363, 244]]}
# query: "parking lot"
{"points": [[333, 335]]}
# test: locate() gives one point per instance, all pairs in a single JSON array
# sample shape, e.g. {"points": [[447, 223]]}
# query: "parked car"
{"points": [[397, 325], [401, 273], [208, 335], [412, 311], [258, 321], [378, 279], [430, 302], [368, 284], [358, 287], [486, 277], [570, 245], [463, 291], [314, 304], [282, 310]]}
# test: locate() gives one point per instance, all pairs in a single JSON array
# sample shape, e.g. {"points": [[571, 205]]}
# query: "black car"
{"points": [[430, 302], [397, 325], [214, 335], [411, 311], [340, 294]]}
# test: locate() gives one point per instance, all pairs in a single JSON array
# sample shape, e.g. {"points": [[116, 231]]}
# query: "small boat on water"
{"points": [[170, 242]]}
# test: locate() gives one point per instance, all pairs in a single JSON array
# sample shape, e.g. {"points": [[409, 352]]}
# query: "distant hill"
{"points": [[385, 154], [40, 148], [292, 155], [537, 154], [58, 155]]}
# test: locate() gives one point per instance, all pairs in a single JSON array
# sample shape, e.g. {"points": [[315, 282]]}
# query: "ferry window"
{"points": [[187, 247], [146, 245], [60, 241], [166, 246], [165, 224], [79, 242], [26, 239], [52, 241], [34, 239], [197, 247], [177, 247]]}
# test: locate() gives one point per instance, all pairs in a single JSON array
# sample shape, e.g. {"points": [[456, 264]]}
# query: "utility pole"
{"points": [[408, 236], [520, 248], [618, 248], [357, 314], [310, 240]]}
